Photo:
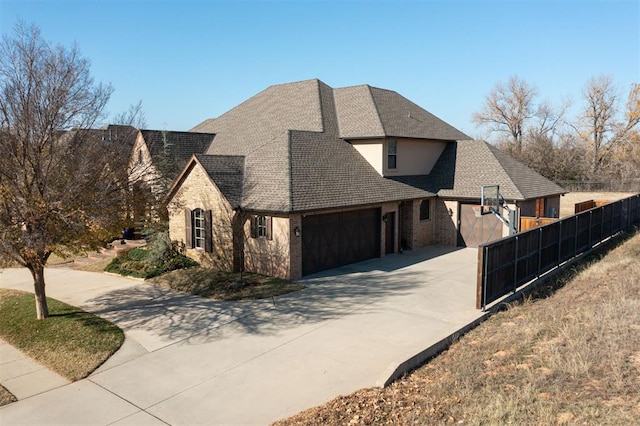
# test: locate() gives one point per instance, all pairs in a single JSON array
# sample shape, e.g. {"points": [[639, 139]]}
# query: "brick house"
{"points": [[155, 160], [303, 177]]}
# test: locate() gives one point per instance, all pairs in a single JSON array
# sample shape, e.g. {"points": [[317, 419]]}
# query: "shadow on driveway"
{"points": [[166, 316]]}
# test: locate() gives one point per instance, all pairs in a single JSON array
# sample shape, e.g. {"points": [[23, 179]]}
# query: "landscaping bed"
{"points": [[220, 285]]}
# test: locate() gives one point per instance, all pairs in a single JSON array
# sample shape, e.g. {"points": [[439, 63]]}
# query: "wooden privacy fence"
{"points": [[527, 222], [507, 264]]}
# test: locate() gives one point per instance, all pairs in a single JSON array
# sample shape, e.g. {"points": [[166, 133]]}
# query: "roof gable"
{"points": [[227, 172], [177, 146]]}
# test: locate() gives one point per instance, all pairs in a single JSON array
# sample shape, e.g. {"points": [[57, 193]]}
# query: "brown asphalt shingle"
{"points": [[179, 147], [465, 166], [294, 140]]}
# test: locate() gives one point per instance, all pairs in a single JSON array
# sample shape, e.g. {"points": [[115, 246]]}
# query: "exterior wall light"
{"points": [[296, 231]]}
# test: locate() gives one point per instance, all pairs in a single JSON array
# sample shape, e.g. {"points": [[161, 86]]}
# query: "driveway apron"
{"points": [[188, 360]]}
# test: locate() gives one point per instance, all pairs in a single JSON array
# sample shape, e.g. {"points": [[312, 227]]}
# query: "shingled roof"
{"points": [[465, 166], [227, 172], [365, 111], [180, 146], [295, 158]]}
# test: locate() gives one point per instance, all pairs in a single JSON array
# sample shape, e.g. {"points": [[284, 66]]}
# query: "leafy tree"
{"points": [[60, 189]]}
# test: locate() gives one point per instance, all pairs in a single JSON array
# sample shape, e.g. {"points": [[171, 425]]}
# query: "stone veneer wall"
{"points": [[197, 191]]}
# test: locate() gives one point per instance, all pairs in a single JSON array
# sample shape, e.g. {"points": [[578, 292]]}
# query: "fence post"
{"points": [[590, 220], [575, 238], [480, 281], [515, 267], [601, 224], [559, 243], [539, 252]]}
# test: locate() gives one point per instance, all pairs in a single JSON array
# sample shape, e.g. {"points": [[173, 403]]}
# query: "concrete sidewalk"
{"points": [[188, 360]]}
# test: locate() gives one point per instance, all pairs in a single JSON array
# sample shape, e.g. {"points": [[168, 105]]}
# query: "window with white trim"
{"points": [[261, 226], [198, 229]]}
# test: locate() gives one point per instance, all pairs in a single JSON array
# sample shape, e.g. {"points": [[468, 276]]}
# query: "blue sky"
{"points": [[192, 60]]}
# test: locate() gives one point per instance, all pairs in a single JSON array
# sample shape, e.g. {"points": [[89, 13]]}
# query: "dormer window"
{"points": [[392, 154]]}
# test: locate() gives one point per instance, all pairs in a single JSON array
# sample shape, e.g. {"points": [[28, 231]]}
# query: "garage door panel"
{"points": [[336, 239]]}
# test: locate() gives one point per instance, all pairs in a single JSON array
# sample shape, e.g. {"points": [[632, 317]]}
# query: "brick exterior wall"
{"points": [[389, 208], [197, 191], [295, 247], [407, 225], [445, 226], [423, 234]]}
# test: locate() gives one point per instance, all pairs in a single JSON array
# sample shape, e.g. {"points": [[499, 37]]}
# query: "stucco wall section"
{"points": [[197, 191], [414, 157], [269, 256], [372, 150]]}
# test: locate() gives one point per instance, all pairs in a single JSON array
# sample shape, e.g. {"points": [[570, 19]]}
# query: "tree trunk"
{"points": [[42, 310]]}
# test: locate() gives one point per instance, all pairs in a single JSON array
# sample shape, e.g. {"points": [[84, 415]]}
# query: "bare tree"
{"points": [[59, 190], [601, 124], [134, 117], [507, 109]]}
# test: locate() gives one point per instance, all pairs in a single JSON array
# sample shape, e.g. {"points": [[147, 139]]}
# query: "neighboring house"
{"points": [[303, 177], [160, 155], [156, 158]]}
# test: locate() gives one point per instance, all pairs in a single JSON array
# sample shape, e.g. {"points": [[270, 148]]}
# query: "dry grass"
{"points": [[6, 397], [220, 285], [95, 266], [568, 201], [570, 358]]}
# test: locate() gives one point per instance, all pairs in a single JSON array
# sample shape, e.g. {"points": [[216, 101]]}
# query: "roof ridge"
{"points": [[506, 172], [375, 107]]}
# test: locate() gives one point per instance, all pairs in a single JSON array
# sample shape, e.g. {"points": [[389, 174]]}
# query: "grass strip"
{"points": [[6, 397], [219, 285], [71, 342]]}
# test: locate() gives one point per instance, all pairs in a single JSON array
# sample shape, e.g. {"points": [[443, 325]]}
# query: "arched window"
{"points": [[198, 228]]}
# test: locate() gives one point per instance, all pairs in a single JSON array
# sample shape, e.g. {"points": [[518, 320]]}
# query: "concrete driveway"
{"points": [[188, 360]]}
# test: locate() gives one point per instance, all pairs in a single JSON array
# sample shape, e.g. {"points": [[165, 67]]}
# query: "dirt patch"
{"points": [[568, 201]]}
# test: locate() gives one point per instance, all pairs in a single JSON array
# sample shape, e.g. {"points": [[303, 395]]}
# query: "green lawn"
{"points": [[71, 342]]}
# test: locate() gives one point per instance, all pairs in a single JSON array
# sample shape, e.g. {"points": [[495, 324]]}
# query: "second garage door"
{"points": [[336, 239]]}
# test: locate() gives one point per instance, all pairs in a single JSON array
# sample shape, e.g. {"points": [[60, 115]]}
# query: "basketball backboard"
{"points": [[490, 199]]}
